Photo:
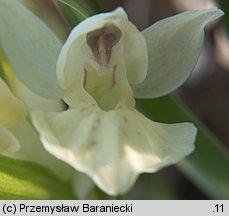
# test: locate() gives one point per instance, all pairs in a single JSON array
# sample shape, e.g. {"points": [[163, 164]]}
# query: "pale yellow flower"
{"points": [[103, 66], [101, 134]]}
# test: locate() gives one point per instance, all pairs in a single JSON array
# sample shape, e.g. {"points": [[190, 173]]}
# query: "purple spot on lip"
{"points": [[139, 133], [93, 128], [83, 109], [93, 142], [89, 113], [125, 119], [124, 132]]}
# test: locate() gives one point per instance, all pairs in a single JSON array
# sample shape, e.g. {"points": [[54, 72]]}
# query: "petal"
{"points": [[82, 185], [174, 45], [31, 48], [12, 110], [9, 144], [75, 52], [113, 147], [31, 149], [34, 101]]}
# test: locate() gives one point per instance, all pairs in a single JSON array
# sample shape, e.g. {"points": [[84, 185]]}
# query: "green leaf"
{"points": [[49, 13], [208, 166], [24, 180], [74, 11], [225, 6], [31, 48], [174, 45], [97, 6]]}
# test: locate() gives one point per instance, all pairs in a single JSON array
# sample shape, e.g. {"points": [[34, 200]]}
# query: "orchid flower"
{"points": [[12, 112], [102, 67], [18, 138]]}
